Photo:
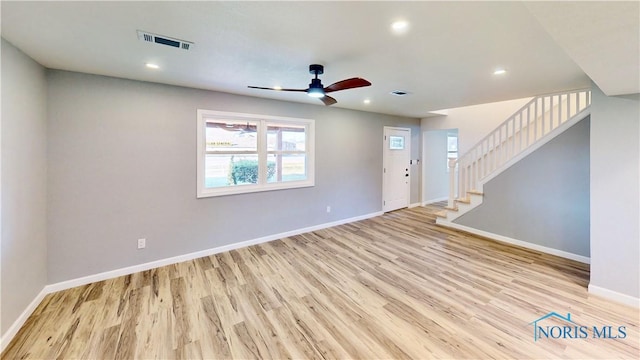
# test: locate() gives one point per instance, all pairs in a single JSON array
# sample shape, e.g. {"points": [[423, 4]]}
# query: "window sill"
{"points": [[247, 189]]}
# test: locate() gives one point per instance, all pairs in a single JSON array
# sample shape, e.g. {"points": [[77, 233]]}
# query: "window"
{"points": [[242, 153], [396, 142], [452, 148]]}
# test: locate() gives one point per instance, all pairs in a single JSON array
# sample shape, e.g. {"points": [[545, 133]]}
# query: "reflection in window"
{"points": [[232, 136]]}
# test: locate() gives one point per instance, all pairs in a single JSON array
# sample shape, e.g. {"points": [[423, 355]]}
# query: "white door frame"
{"points": [[385, 161]]}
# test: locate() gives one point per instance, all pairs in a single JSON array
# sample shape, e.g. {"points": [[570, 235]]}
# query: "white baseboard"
{"points": [[414, 205], [427, 202], [508, 240], [194, 255], [63, 285], [614, 296], [13, 329]]}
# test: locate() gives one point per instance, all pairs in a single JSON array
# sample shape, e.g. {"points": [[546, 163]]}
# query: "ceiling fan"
{"points": [[317, 90]]}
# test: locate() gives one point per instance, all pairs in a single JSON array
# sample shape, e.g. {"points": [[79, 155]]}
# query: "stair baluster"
{"points": [[491, 155]]}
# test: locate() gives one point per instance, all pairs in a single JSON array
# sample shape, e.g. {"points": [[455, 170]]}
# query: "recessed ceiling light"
{"points": [[152, 66], [400, 26], [499, 72], [277, 87], [367, 101]]}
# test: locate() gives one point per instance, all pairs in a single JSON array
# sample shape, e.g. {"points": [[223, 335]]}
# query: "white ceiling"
{"points": [[445, 60], [603, 38]]}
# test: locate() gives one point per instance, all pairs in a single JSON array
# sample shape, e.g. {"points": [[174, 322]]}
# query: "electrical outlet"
{"points": [[328, 209], [142, 243]]}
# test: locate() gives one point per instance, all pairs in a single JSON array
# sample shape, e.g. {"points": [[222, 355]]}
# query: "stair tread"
{"points": [[475, 192], [464, 200], [451, 208]]}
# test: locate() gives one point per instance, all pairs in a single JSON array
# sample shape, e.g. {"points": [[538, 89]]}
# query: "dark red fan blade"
{"points": [[267, 88], [328, 100], [347, 84]]}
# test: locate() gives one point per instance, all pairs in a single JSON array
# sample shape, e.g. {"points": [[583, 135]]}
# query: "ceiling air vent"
{"points": [[164, 40], [399, 93]]}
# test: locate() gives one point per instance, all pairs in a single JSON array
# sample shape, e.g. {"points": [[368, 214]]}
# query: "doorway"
{"points": [[396, 172], [438, 146]]}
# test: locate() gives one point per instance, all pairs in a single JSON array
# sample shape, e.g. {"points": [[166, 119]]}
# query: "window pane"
{"points": [[286, 138], [225, 136], [230, 170], [452, 143], [286, 167], [396, 142]]}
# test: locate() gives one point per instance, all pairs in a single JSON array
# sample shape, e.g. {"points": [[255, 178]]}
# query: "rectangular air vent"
{"points": [[164, 40], [399, 93]]}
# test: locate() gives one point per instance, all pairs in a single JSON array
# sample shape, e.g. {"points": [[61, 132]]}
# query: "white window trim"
{"points": [[203, 115]]}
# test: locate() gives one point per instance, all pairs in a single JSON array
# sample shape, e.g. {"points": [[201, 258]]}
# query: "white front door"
{"points": [[396, 170]]}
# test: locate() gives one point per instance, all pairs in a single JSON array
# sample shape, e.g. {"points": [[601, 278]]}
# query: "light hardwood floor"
{"points": [[392, 287]]}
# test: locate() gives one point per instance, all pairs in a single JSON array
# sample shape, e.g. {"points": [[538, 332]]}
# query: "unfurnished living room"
{"points": [[320, 180]]}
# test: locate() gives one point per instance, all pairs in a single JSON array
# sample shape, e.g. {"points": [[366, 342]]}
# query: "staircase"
{"points": [[536, 123]]}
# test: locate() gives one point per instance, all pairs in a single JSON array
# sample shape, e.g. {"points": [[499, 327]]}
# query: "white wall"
{"points": [[24, 196], [615, 194], [473, 122], [122, 166]]}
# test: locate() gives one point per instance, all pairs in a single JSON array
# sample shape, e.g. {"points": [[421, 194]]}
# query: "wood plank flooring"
{"points": [[392, 287]]}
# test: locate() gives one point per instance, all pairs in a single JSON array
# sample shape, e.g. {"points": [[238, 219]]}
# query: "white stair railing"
{"points": [[531, 123]]}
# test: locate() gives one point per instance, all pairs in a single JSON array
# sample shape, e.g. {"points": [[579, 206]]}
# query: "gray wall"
{"points": [[615, 193], [122, 166], [544, 198], [24, 171]]}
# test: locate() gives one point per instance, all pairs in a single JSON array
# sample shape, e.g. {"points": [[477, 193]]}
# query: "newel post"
{"points": [[452, 181]]}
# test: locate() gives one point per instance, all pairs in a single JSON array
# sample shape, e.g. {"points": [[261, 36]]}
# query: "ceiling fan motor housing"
{"points": [[315, 88], [316, 69], [315, 84]]}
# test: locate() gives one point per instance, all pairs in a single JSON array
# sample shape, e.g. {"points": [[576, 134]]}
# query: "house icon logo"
{"points": [[556, 326], [538, 329]]}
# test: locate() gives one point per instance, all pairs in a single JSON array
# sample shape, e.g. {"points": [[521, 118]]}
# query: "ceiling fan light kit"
{"points": [[317, 90]]}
